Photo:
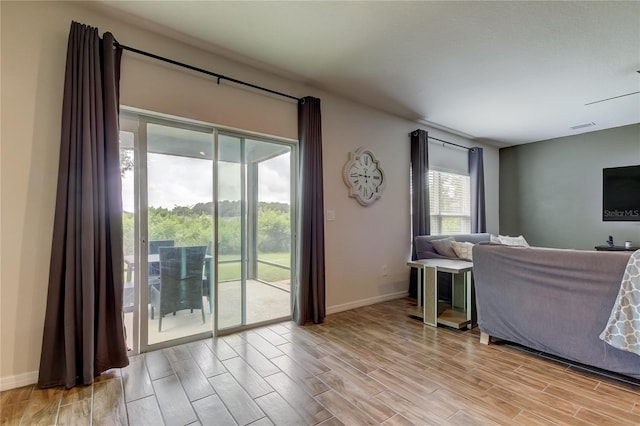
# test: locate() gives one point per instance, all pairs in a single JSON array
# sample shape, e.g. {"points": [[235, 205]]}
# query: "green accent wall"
{"points": [[551, 191]]}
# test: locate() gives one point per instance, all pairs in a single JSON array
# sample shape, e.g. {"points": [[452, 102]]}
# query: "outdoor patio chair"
{"points": [[154, 246], [180, 285]]}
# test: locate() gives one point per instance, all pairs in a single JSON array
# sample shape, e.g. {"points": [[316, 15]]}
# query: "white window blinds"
{"points": [[450, 200]]}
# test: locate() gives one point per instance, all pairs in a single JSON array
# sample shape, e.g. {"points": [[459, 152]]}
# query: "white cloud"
{"points": [[184, 181]]}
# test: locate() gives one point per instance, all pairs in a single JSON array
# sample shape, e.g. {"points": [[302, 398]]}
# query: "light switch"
{"points": [[331, 215]]}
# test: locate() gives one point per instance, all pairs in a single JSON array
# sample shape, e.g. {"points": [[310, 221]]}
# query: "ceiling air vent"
{"points": [[582, 126]]}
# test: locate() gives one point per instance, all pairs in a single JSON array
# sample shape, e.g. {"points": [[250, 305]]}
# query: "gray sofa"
{"points": [[425, 250], [552, 300]]}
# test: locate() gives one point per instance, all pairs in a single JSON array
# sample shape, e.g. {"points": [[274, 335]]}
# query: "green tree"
{"points": [[128, 234], [203, 208], [189, 226], [274, 231], [229, 241], [126, 161], [228, 208]]}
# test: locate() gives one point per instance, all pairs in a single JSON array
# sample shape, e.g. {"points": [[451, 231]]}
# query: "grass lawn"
{"points": [[231, 271]]}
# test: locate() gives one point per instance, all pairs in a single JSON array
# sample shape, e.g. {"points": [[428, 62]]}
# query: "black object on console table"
{"points": [[615, 248]]}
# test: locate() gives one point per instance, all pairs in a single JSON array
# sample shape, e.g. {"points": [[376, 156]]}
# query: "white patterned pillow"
{"points": [[463, 250], [513, 241]]}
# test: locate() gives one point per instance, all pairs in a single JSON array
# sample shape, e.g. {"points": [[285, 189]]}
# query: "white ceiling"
{"points": [[507, 72]]}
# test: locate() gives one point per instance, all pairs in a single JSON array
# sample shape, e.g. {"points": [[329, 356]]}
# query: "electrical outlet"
{"points": [[384, 270]]}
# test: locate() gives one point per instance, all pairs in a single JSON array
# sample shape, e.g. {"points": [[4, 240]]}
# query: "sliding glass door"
{"points": [[208, 224]]}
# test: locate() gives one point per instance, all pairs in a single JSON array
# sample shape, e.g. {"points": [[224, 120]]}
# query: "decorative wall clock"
{"points": [[364, 176]]}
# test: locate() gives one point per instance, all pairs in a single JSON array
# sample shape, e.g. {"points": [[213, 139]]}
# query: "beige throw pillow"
{"points": [[513, 241], [444, 246], [463, 250]]}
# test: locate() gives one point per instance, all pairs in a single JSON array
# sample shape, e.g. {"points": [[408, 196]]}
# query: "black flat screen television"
{"points": [[621, 194]]}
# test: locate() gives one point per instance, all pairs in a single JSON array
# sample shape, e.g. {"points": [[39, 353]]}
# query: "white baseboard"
{"points": [[19, 380], [365, 302]]}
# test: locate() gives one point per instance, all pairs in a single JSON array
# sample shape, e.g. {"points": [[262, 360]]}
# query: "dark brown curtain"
{"points": [[420, 212], [476, 175], [83, 330], [309, 301]]}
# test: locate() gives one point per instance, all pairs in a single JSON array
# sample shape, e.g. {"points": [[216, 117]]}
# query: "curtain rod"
{"points": [[450, 143], [213, 74]]}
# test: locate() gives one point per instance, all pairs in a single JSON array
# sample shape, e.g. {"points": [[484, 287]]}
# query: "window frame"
{"points": [[436, 200]]}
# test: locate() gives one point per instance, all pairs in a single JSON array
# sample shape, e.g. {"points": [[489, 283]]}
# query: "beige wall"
{"points": [[33, 43]]}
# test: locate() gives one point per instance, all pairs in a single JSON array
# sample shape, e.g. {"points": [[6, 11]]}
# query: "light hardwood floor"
{"points": [[367, 366]]}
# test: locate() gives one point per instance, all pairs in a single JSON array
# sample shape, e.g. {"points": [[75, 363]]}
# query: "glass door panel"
{"points": [[254, 230], [127, 169], [271, 280], [231, 227], [179, 190]]}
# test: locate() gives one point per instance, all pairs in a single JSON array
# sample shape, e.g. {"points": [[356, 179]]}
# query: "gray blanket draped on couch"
{"points": [[552, 300]]}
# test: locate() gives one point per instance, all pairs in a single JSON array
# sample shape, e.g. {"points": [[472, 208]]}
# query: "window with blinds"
{"points": [[450, 203]]}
